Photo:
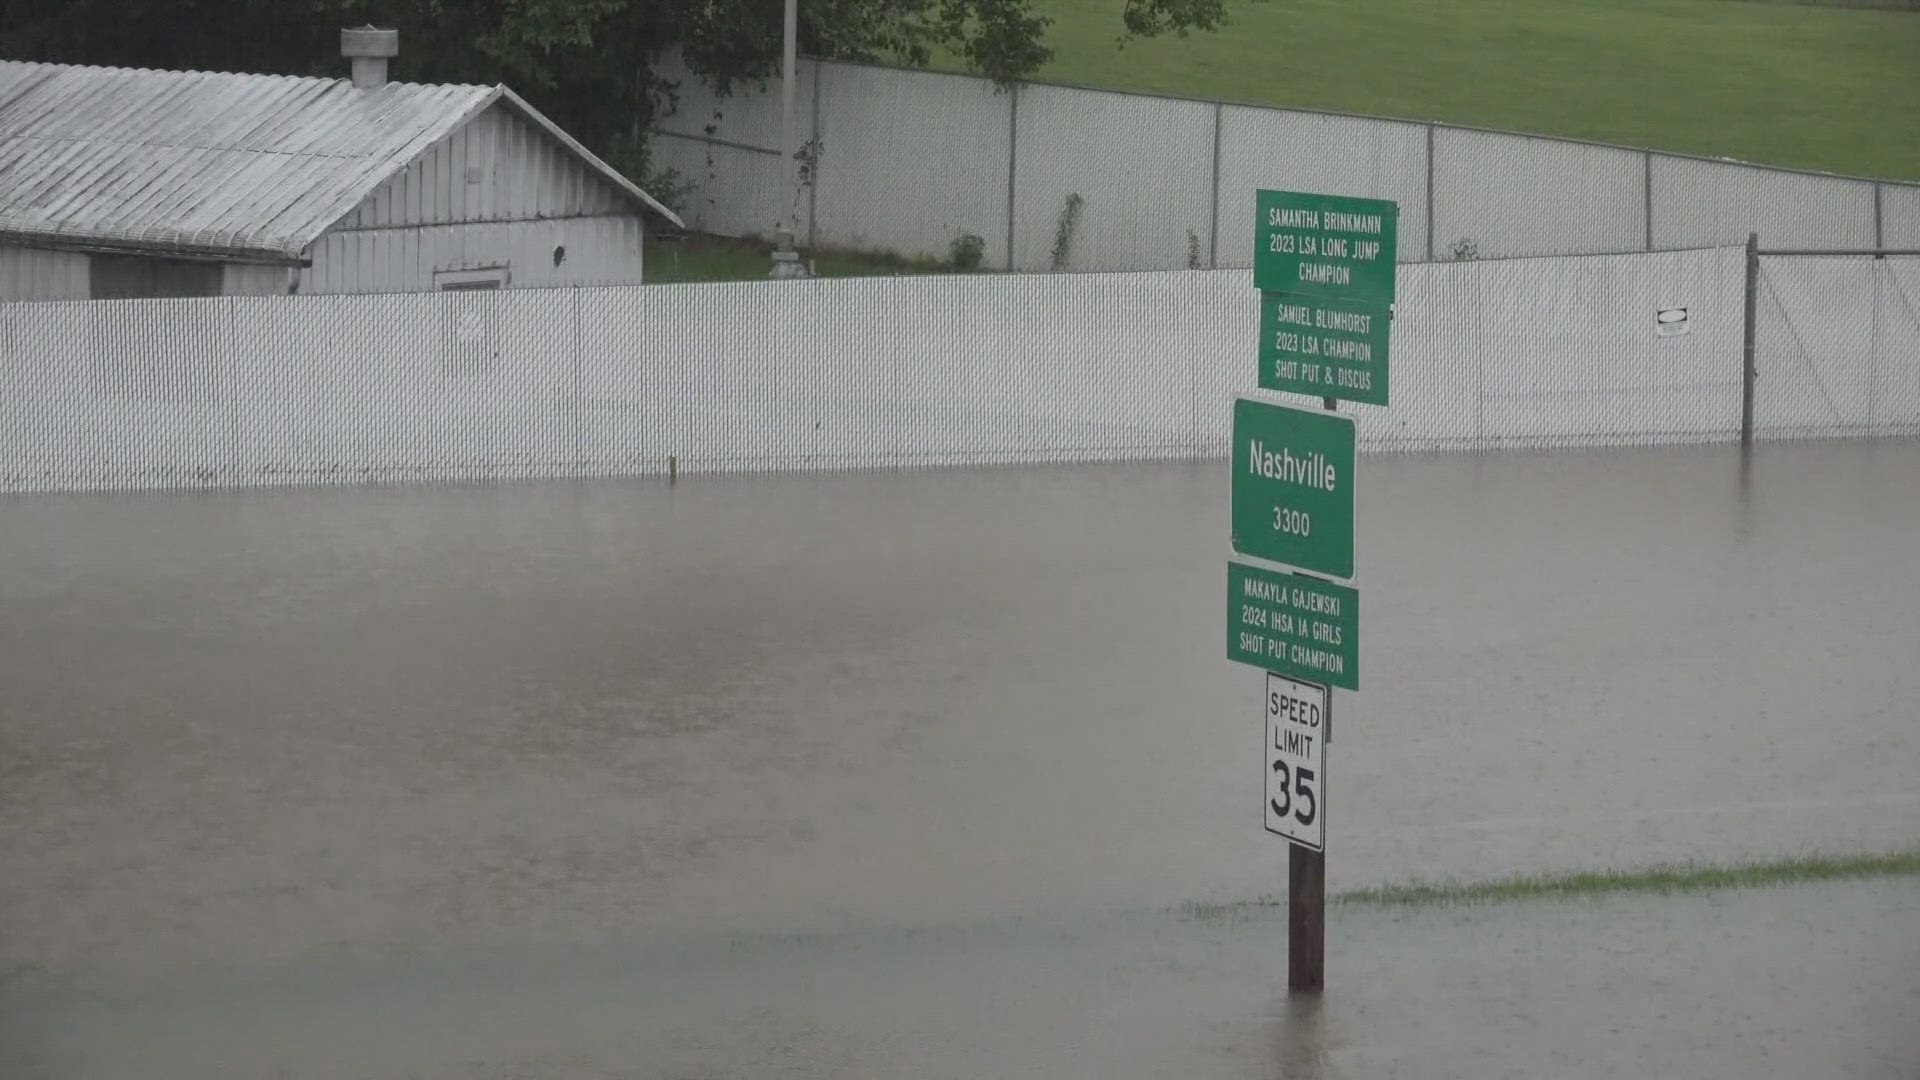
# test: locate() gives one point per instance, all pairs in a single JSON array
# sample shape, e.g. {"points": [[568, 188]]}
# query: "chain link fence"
{"points": [[1072, 178], [1836, 345], [926, 371]]}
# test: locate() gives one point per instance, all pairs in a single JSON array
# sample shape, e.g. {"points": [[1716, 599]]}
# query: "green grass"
{"points": [[1822, 87], [1663, 879], [1890, 5], [1674, 878], [702, 257]]}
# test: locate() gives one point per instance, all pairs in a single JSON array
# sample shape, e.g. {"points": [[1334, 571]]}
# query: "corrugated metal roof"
{"points": [[248, 166]]}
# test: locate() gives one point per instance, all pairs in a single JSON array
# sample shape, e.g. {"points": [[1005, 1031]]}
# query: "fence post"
{"points": [[1646, 195], [1746, 371], [1013, 151], [1213, 211], [1429, 192], [1879, 224]]}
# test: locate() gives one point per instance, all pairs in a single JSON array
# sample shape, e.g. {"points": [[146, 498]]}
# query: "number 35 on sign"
{"points": [[1296, 760]]}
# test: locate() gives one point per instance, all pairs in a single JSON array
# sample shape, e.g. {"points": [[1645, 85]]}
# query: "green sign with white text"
{"points": [[1328, 246], [1293, 487], [1293, 625], [1325, 348]]}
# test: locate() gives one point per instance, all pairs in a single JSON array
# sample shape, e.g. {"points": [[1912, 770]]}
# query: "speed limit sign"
{"points": [[1296, 760]]}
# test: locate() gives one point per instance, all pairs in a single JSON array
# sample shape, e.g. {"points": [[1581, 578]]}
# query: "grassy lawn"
{"points": [[700, 257], [1822, 87]]}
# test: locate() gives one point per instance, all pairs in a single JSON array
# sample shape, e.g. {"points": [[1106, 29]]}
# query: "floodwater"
{"points": [[1793, 982], [428, 781]]}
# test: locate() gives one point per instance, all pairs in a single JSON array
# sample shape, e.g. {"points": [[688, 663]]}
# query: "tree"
{"points": [[589, 64]]}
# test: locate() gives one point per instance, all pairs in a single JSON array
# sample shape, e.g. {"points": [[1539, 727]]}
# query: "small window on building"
{"points": [[134, 277]]}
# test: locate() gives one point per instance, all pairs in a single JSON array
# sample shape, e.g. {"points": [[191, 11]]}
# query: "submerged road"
{"points": [[281, 730]]}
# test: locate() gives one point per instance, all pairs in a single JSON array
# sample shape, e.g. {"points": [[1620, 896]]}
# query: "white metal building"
{"points": [[118, 182]]}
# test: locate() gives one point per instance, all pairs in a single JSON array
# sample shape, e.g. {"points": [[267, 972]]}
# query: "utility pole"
{"points": [[786, 261]]}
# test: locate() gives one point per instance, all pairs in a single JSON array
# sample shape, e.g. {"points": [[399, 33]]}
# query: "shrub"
{"points": [[966, 251]]}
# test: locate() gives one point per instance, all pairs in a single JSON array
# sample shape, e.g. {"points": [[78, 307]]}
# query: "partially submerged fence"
{"points": [[902, 372], [1063, 177], [1836, 344]]}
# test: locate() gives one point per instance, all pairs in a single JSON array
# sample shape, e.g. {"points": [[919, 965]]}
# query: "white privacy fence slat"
{"points": [[920, 371]]}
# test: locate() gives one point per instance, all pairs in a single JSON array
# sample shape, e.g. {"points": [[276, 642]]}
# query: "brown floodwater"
{"points": [[339, 740]]}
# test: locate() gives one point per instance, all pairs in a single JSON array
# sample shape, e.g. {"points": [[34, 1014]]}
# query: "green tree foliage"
{"points": [[589, 64]]}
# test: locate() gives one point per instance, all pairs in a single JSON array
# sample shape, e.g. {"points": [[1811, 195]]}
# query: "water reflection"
{"points": [[1300, 1037], [1744, 496]]}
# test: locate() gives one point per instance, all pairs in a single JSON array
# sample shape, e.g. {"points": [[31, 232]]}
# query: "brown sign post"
{"points": [[1307, 892], [1306, 920]]}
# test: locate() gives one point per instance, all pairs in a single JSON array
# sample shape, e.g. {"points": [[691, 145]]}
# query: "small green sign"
{"points": [[1293, 487], [1291, 624], [1326, 348], [1324, 245]]}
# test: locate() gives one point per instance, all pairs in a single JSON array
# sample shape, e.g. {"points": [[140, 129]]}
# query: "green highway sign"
{"points": [[1291, 624], [1324, 245], [1293, 487], [1326, 348]]}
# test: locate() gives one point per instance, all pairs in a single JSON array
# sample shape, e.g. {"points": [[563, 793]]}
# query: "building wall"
{"points": [[246, 279], [143, 277], [496, 167], [597, 251], [497, 193], [35, 274]]}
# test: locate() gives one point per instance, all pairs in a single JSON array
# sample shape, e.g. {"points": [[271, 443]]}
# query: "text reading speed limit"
{"points": [[1296, 760]]}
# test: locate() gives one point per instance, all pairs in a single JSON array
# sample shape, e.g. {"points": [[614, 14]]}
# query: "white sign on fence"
{"points": [[1296, 760]]}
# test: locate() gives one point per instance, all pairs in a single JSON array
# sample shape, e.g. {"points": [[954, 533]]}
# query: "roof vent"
{"points": [[369, 48]]}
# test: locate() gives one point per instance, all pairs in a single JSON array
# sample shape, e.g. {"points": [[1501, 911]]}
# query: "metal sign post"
{"points": [[1325, 266]]}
